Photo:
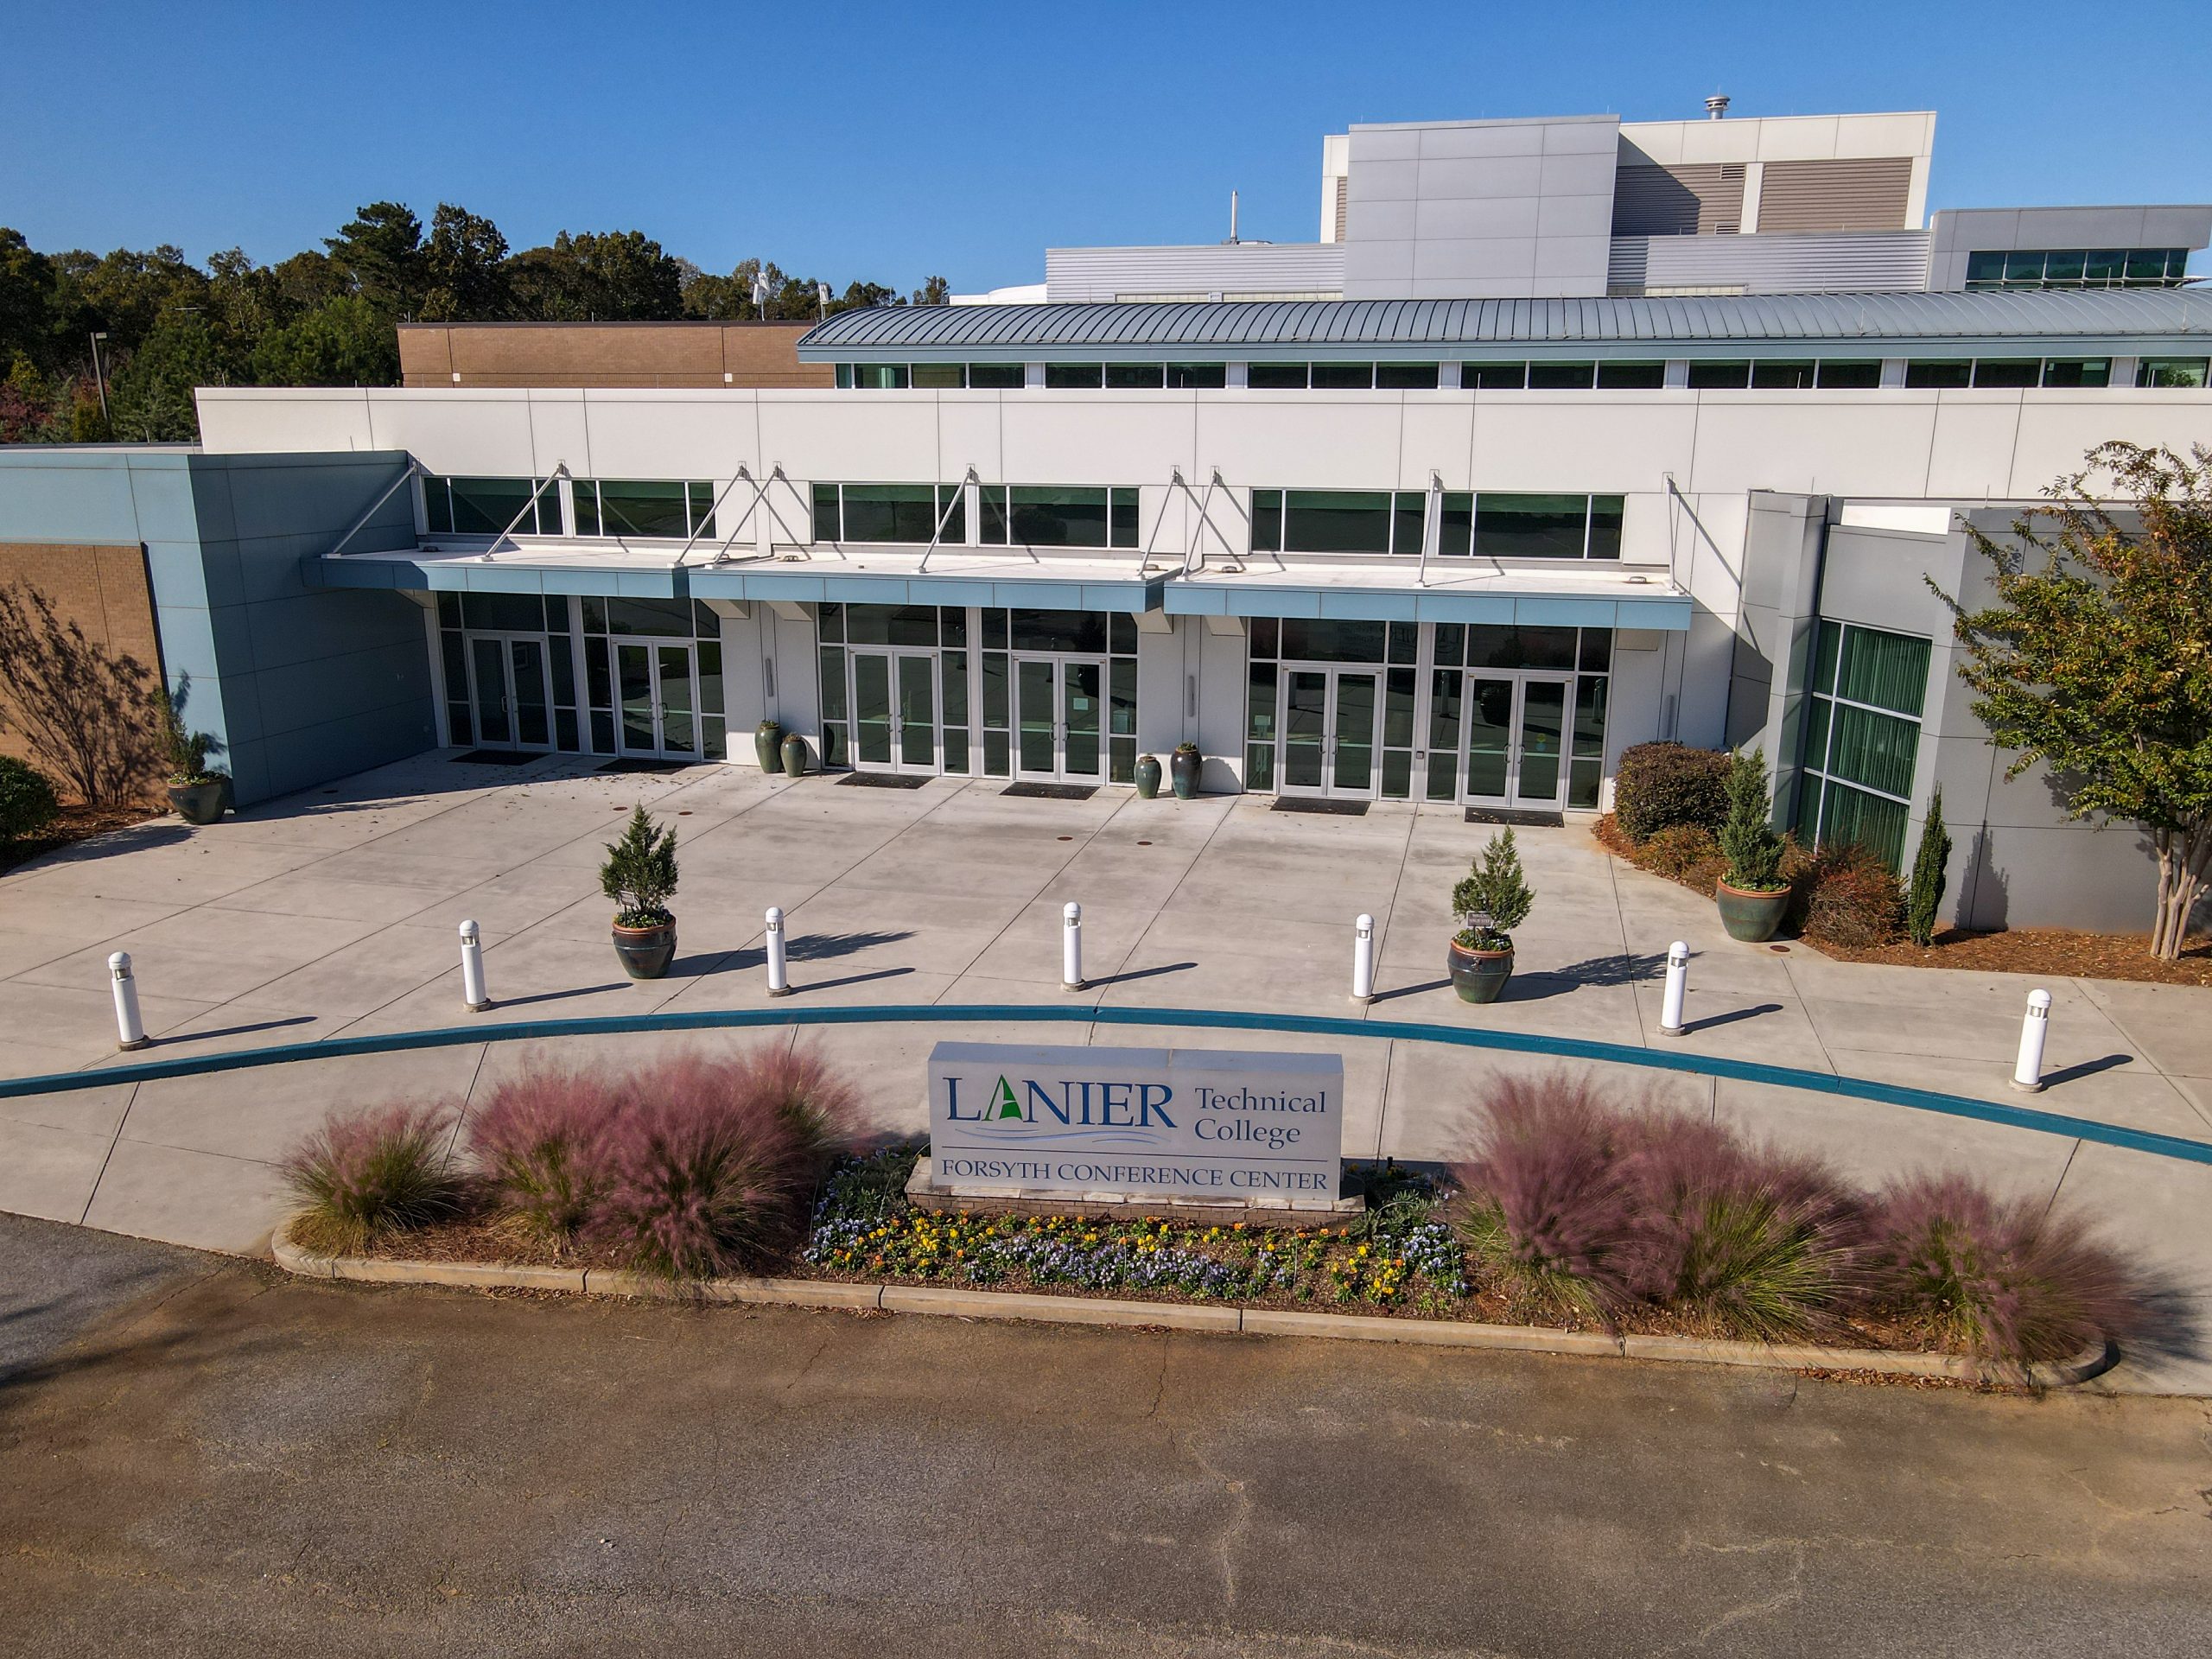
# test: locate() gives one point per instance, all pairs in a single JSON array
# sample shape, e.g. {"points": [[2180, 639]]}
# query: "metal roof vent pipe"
{"points": [[1716, 106], [1232, 221]]}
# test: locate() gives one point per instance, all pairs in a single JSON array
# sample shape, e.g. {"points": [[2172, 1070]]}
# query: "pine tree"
{"points": [[1925, 897]]}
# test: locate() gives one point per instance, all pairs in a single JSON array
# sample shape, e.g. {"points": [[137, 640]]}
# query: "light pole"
{"points": [[99, 378]]}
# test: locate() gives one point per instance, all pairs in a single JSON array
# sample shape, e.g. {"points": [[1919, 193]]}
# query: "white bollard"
{"points": [[2035, 1030], [1678, 985], [473, 993], [780, 982], [1072, 947], [129, 1029], [1363, 960]]}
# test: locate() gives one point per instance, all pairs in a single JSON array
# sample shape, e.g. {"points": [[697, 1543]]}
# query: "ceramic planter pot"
{"points": [[794, 756], [645, 952], [768, 745], [1751, 917], [1478, 975], [1147, 777], [1183, 767], [200, 803]]}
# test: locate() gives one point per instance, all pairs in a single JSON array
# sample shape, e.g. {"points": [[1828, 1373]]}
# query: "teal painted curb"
{"points": [[1511, 1042]]}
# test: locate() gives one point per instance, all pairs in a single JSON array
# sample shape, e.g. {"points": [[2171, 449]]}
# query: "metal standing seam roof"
{"points": [[1271, 327]]}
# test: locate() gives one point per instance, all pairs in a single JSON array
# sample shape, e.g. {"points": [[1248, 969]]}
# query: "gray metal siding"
{"points": [[1874, 261], [1083, 275], [2106, 318]]}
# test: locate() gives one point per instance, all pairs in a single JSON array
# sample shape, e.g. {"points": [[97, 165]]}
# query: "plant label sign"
{"points": [[1137, 1123]]}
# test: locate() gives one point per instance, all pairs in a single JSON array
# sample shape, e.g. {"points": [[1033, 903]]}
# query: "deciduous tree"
{"points": [[2094, 659]]}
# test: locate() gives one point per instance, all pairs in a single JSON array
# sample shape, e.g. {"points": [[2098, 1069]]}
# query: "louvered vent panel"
{"points": [[1699, 199], [1854, 195]]}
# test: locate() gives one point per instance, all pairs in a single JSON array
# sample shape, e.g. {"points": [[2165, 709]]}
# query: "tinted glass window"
{"points": [[1531, 526], [1134, 376], [1406, 376], [1075, 376], [1494, 376], [1561, 376], [1719, 376], [1276, 375], [996, 376], [1630, 376], [1939, 374], [1197, 374]]}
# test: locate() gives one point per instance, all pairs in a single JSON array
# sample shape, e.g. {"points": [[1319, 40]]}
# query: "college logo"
{"points": [[1061, 1111]]}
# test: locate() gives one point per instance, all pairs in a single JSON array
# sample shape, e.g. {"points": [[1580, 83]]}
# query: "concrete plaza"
{"points": [[334, 912]]}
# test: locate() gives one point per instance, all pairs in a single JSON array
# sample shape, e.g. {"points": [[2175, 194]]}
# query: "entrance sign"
{"points": [[1201, 1124]]}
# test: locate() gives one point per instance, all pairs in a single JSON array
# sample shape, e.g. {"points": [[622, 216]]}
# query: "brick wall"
{"points": [[608, 355], [103, 590]]}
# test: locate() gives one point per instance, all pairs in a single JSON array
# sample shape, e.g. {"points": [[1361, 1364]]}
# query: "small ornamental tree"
{"points": [[2095, 659], [1747, 839], [1493, 897], [639, 873], [184, 750], [1924, 896]]}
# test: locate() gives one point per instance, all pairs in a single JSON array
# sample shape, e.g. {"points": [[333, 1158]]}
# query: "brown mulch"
{"points": [[478, 1237], [2052, 952], [73, 824]]}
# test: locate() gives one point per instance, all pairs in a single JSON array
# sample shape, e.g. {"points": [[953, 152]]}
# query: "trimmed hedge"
{"points": [[1660, 785], [27, 800]]}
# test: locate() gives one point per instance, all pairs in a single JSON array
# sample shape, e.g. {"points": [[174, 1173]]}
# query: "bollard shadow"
{"points": [[232, 1030], [2086, 1069], [1730, 1018], [557, 996], [1137, 974], [850, 979], [1413, 990]]}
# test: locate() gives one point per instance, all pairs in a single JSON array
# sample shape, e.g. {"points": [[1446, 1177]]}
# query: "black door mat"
{"points": [[886, 779], [500, 756], [1513, 815], [645, 763], [1051, 792], [1333, 808]]}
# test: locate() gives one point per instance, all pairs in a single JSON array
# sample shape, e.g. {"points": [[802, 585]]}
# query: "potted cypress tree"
{"points": [[1183, 769], [1490, 901], [639, 876], [198, 791], [1752, 893]]}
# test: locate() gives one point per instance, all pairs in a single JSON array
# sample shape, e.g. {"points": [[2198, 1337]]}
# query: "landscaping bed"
{"points": [[71, 824], [2049, 952], [1574, 1222]]}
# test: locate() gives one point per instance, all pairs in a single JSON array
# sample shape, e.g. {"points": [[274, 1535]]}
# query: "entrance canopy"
{"points": [[1463, 593]]}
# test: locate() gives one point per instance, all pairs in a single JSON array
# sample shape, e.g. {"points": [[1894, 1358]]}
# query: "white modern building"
{"points": [[1457, 538]]}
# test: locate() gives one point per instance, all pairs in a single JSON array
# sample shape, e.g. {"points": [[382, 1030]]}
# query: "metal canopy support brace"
{"points": [[1196, 550], [761, 498], [560, 471], [1431, 526], [413, 470], [936, 536]]}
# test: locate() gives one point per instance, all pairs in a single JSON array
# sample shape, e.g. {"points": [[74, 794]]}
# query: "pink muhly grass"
{"points": [[2003, 1278], [545, 1139], [704, 1171], [372, 1171], [1744, 1240], [816, 1101], [1551, 1203]]}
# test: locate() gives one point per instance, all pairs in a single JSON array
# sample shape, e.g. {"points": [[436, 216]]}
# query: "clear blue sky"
{"points": [[895, 141]]}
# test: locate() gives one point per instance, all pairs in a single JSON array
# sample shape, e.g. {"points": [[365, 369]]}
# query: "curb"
{"points": [[945, 1300]]}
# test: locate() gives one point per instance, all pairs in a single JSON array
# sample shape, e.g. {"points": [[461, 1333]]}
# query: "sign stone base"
{"points": [[924, 1193]]}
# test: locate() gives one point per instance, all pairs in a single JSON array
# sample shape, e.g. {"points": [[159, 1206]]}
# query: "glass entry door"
{"points": [[1059, 719], [1516, 740], [658, 688], [511, 688], [1329, 721], [894, 711]]}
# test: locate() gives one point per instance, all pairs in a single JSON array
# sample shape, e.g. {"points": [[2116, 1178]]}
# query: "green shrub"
{"points": [[27, 800], [1660, 785], [1849, 896], [639, 873], [1747, 839], [1493, 897], [1924, 900], [371, 1173]]}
